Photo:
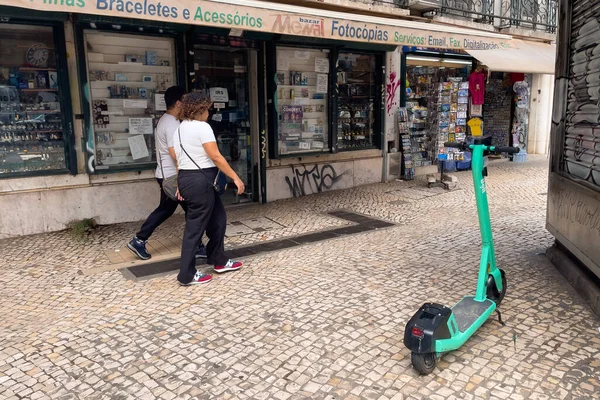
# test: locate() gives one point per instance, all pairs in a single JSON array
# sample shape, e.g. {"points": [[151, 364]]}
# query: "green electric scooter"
{"points": [[435, 328]]}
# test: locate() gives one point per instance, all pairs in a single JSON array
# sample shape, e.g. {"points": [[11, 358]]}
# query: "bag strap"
{"points": [[192, 160]]}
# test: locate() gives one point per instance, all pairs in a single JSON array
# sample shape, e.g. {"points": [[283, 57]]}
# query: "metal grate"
{"points": [[538, 15], [581, 153]]}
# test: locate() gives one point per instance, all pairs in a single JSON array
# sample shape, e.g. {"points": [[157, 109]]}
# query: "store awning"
{"points": [[528, 57], [277, 18]]}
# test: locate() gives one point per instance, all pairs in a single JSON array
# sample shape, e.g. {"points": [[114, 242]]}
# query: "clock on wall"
{"points": [[37, 55]]}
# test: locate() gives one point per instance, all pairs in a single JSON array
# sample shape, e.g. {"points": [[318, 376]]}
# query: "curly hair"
{"points": [[193, 104]]}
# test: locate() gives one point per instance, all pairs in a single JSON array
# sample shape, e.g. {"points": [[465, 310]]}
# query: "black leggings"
{"points": [[205, 213]]}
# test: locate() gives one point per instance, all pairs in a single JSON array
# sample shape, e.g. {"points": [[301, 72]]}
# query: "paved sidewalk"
{"points": [[320, 321]]}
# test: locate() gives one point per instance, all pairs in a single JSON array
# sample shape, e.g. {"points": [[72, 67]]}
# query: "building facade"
{"points": [[573, 215], [306, 96]]}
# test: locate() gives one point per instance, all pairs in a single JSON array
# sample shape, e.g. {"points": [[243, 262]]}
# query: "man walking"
{"points": [[167, 167]]}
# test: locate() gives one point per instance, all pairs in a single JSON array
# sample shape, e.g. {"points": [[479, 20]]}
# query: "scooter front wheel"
{"points": [[492, 291], [424, 363]]}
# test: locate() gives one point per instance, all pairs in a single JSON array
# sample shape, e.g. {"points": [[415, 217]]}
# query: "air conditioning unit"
{"points": [[424, 5]]}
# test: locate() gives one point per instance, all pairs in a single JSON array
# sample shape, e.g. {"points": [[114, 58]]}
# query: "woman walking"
{"points": [[199, 160]]}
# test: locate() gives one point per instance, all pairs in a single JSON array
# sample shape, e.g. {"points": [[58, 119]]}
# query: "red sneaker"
{"points": [[199, 278], [230, 266]]}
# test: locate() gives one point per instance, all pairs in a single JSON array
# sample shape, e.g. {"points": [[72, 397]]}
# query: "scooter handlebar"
{"points": [[497, 149], [509, 150], [456, 145]]}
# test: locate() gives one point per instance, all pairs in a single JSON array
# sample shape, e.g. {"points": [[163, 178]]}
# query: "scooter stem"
{"points": [[488, 258]]}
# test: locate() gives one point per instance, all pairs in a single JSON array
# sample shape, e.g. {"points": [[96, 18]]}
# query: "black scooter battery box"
{"points": [[428, 324]]}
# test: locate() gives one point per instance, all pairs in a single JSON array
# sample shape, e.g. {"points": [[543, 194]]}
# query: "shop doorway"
{"points": [[224, 74]]}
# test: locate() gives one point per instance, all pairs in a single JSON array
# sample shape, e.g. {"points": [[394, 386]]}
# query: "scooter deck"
{"points": [[467, 311]]}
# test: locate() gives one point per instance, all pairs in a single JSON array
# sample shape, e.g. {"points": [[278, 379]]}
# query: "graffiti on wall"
{"points": [[90, 146], [521, 119], [580, 120], [573, 208], [263, 144], [309, 180], [391, 89]]}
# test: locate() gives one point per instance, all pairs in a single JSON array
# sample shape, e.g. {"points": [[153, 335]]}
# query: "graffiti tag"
{"points": [[263, 145], [570, 207], [391, 89], [314, 180]]}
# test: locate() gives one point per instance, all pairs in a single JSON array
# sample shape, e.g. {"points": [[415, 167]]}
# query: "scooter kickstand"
{"points": [[500, 317]]}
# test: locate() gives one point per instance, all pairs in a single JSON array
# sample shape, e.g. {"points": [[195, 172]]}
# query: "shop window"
{"points": [[356, 101], [31, 122], [302, 100], [127, 75]]}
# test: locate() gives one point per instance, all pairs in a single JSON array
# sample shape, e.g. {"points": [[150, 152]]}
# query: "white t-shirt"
{"points": [[193, 135], [167, 125]]}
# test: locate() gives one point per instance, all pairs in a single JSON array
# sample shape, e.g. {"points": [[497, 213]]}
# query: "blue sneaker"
{"points": [[201, 253], [138, 247]]}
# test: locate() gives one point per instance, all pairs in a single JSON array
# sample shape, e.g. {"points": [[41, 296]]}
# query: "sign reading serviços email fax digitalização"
{"points": [[262, 20]]}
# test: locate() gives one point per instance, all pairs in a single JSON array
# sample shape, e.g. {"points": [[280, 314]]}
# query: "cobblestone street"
{"points": [[319, 321]]}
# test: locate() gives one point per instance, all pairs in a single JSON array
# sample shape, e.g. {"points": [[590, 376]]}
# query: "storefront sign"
{"points": [[135, 103], [207, 13], [219, 95], [159, 102], [137, 146], [322, 65], [140, 126], [322, 83]]}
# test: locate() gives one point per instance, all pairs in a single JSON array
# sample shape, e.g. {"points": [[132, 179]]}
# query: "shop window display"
{"points": [[302, 99], [128, 75], [356, 93], [31, 123], [437, 108]]}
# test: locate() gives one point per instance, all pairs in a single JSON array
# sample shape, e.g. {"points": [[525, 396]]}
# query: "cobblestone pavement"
{"points": [[321, 321]]}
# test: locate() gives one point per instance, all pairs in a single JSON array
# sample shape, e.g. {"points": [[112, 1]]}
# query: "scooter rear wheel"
{"points": [[424, 363], [492, 292]]}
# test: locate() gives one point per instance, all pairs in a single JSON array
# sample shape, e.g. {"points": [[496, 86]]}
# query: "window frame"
{"points": [[126, 27], [69, 146], [378, 102], [334, 47], [273, 113]]}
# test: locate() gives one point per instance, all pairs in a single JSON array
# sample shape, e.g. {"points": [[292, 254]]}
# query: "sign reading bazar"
{"points": [[206, 13]]}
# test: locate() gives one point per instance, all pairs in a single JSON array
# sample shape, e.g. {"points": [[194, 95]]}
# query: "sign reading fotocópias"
{"points": [[222, 15]]}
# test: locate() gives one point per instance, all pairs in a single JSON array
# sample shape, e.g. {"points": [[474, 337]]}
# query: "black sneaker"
{"points": [[201, 253], [138, 247]]}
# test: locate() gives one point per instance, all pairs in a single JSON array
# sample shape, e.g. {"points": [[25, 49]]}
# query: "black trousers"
{"points": [[205, 213], [165, 209]]}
